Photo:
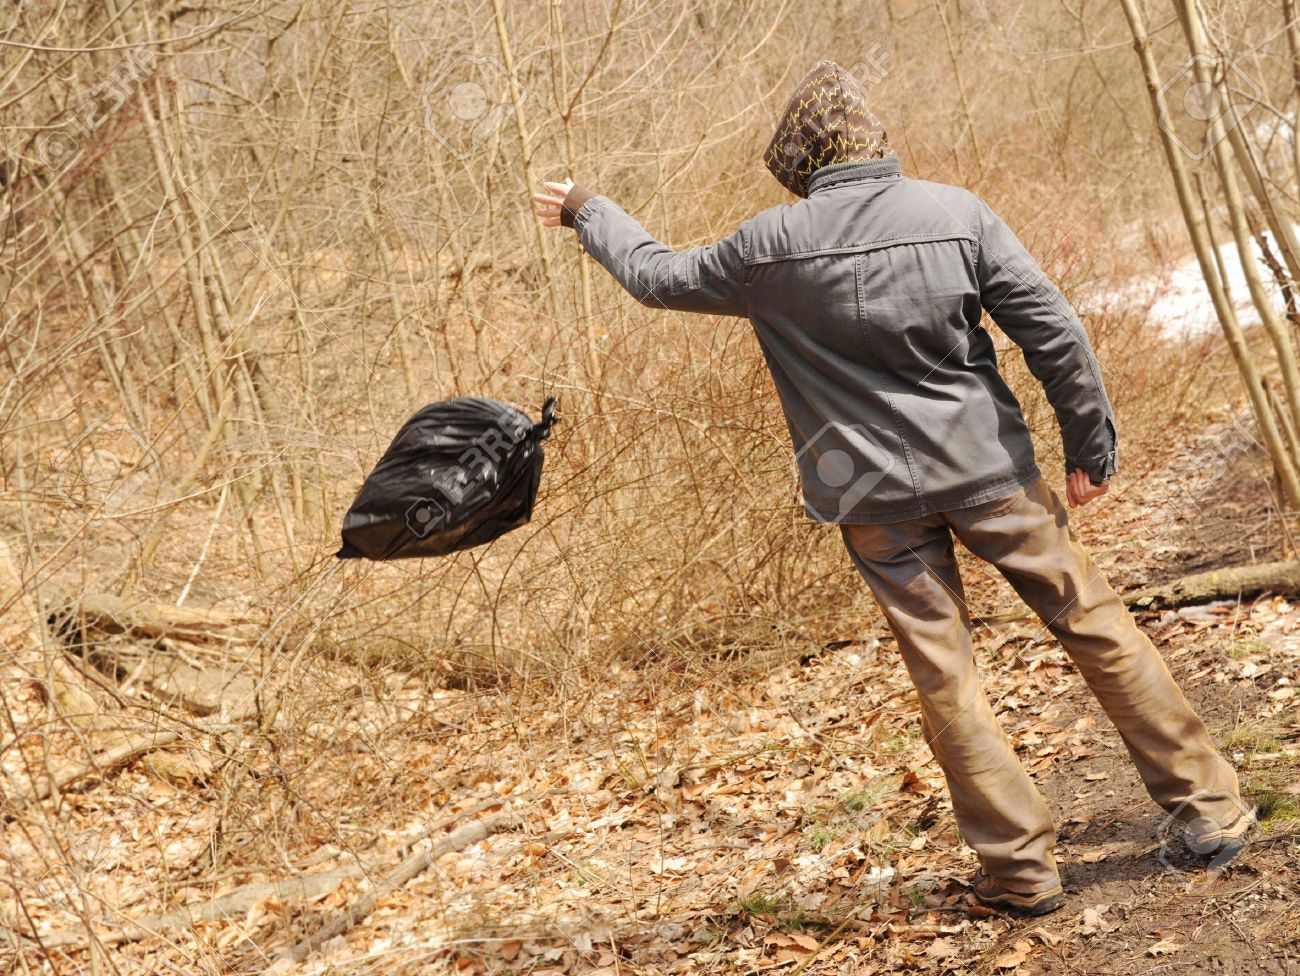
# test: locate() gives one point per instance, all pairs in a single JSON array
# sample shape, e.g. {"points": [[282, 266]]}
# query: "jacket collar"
{"points": [[838, 173]]}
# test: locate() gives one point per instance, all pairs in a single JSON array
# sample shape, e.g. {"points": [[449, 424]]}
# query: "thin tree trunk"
{"points": [[1289, 15], [1282, 461], [1281, 225], [1241, 235]]}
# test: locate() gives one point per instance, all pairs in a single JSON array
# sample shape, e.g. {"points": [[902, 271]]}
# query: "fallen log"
{"points": [[146, 619], [1282, 578], [179, 655]]}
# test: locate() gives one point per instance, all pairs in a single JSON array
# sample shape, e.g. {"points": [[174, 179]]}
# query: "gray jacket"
{"points": [[866, 298]]}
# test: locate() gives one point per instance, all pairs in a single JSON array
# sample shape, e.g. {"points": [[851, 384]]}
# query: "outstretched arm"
{"points": [[702, 279], [1030, 309]]}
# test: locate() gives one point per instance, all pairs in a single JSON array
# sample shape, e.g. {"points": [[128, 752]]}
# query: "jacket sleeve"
{"points": [[1030, 309], [702, 279]]}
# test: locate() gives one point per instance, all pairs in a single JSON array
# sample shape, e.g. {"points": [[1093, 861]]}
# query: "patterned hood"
{"points": [[826, 121]]}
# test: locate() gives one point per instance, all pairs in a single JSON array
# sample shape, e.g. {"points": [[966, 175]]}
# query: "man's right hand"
{"points": [[551, 203], [1080, 490]]}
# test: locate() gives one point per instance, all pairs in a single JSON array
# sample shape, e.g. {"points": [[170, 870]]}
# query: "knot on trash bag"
{"points": [[542, 429]]}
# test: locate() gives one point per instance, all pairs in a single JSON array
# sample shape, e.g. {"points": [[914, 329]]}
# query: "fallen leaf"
{"points": [[1163, 947], [791, 954], [1093, 921], [510, 949], [941, 949], [668, 778], [1014, 958], [913, 784]]}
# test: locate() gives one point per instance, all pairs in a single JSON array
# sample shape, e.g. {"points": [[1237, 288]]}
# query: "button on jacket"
{"points": [[866, 299]]}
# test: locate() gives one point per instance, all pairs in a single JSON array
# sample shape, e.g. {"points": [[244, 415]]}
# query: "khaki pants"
{"points": [[912, 570]]}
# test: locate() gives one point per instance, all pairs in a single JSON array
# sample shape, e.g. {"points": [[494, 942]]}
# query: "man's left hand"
{"points": [[1080, 490]]}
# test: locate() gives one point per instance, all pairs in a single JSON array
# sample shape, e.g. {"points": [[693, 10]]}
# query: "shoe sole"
{"points": [[1228, 844], [1227, 852], [1037, 904]]}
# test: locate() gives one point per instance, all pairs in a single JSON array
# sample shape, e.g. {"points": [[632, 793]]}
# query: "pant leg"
{"points": [[912, 570], [1031, 544]]}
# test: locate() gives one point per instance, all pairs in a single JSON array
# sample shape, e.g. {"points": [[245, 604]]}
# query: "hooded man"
{"points": [[866, 298]]}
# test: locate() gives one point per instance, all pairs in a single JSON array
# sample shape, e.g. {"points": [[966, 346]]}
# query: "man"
{"points": [[866, 299]]}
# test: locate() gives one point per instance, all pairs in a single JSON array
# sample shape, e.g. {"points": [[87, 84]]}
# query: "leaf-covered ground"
{"points": [[731, 814]]}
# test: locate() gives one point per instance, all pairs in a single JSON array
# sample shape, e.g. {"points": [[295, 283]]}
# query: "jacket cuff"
{"points": [[1098, 469], [577, 196]]}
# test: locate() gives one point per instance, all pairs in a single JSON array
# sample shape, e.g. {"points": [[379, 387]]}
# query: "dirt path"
{"points": [[1138, 900]]}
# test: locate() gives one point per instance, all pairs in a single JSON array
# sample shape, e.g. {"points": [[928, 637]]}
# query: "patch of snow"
{"points": [[1178, 302], [1184, 307]]}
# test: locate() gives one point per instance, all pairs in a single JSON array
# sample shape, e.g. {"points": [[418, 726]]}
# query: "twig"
{"points": [[413, 866], [203, 553]]}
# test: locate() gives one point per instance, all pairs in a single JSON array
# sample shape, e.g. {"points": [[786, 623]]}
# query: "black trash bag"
{"points": [[459, 473]]}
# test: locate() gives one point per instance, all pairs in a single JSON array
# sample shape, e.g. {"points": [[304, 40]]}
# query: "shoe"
{"points": [[991, 893], [1218, 845]]}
